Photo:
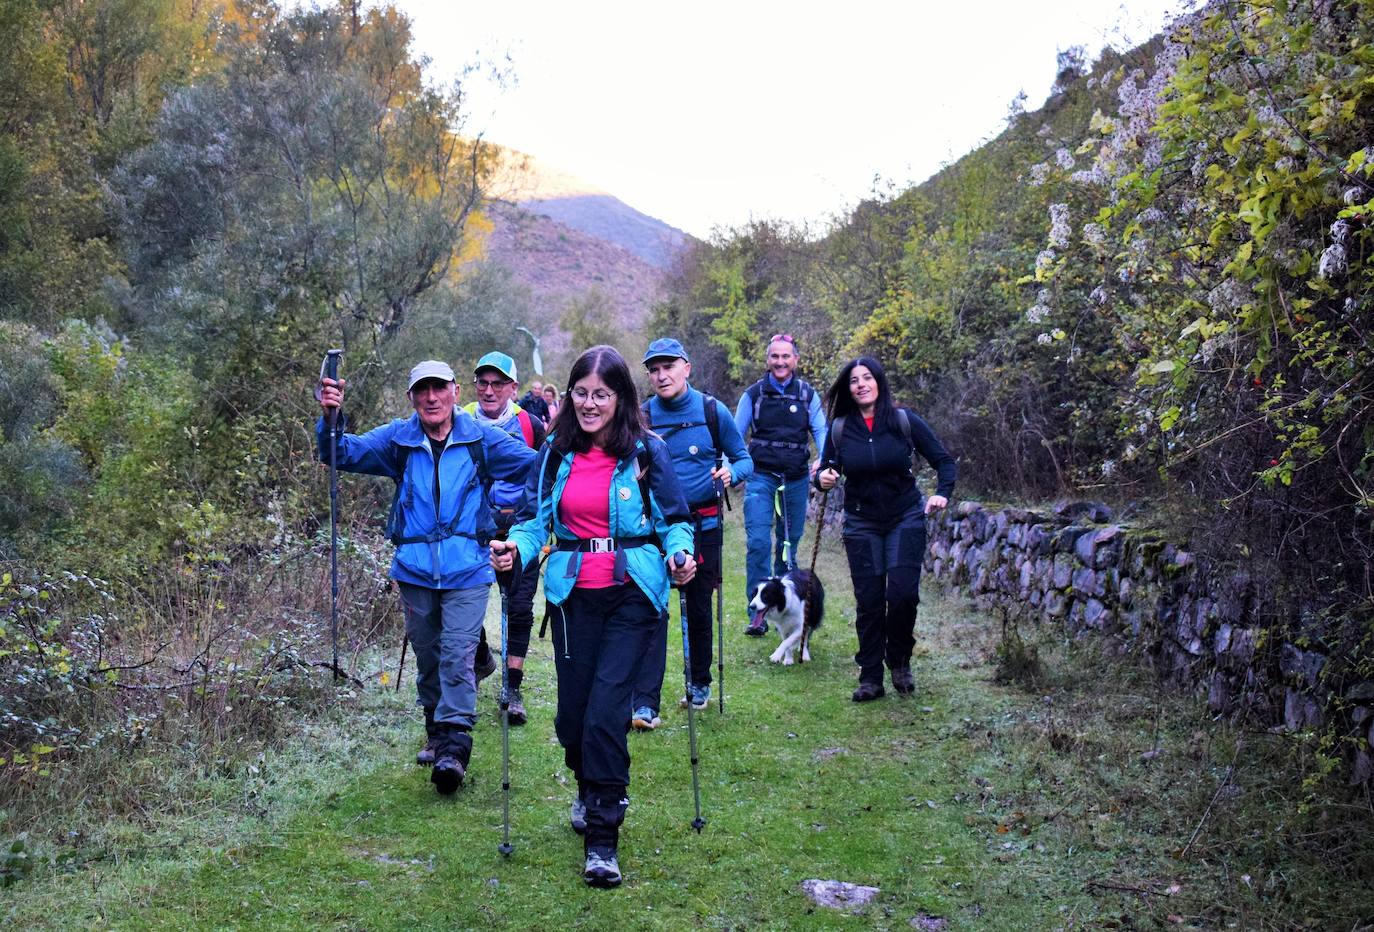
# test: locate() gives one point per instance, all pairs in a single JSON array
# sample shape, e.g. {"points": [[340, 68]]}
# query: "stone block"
{"points": [[1300, 666], [1062, 573], [1095, 614], [1218, 692], [1087, 582], [1107, 545], [1067, 538], [1056, 604], [1300, 711]]}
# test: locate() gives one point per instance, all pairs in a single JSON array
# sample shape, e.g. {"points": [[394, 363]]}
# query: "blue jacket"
{"points": [[681, 422], [645, 564], [453, 554], [510, 494]]}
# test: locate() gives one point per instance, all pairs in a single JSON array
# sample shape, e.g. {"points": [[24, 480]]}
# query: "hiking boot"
{"points": [[484, 667], [758, 626], [903, 681], [700, 696], [602, 868], [578, 817], [645, 719], [515, 708], [868, 692], [426, 755], [447, 774]]}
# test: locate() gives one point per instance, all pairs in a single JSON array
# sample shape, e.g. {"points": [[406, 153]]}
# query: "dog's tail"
{"points": [[815, 599]]}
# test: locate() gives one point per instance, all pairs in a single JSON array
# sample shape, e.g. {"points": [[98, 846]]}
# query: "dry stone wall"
{"points": [[1076, 567]]}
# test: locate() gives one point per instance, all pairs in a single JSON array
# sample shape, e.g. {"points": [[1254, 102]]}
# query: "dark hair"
{"points": [[627, 426], [839, 401]]}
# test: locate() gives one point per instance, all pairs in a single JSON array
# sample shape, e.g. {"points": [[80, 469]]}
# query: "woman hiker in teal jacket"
{"points": [[606, 579]]}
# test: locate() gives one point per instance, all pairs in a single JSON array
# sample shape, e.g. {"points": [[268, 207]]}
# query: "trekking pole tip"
{"points": [[698, 824], [506, 848]]}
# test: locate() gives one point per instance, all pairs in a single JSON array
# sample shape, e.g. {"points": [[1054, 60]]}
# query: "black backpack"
{"points": [[836, 431]]}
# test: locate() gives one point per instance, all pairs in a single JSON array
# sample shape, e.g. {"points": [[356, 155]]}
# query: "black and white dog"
{"points": [[783, 600]]}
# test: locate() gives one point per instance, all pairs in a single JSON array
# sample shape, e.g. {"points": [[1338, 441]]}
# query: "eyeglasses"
{"points": [[600, 397], [784, 337], [490, 385]]}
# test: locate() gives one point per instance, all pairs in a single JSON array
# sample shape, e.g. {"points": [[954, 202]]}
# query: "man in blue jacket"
{"points": [[496, 384], [779, 412], [699, 441], [441, 523]]}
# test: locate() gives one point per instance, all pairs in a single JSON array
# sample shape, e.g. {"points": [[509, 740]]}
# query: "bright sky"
{"points": [[711, 113]]}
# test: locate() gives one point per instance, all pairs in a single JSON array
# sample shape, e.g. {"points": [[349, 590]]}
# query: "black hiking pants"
{"points": [[885, 558], [599, 639]]}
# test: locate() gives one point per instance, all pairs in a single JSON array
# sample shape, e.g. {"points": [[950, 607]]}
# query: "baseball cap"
{"points": [[430, 369], [665, 347], [498, 361]]}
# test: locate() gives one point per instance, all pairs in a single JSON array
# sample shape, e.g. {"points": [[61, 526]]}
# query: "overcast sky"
{"points": [[709, 113]]}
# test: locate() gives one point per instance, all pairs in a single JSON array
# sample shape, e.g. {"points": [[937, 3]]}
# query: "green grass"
{"points": [[988, 807]]}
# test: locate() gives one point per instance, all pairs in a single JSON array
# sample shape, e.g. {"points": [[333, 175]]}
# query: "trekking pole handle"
{"points": [[329, 369]]}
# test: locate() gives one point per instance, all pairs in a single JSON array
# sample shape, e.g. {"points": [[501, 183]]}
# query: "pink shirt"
{"points": [[584, 509]]}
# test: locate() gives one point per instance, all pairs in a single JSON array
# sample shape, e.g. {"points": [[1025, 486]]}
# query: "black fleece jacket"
{"points": [[877, 466]]}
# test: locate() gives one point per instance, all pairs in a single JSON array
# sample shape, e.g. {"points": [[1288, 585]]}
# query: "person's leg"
{"points": [[421, 607], [631, 624], [647, 695], [700, 592], [576, 626], [519, 626], [758, 530], [793, 508], [905, 552], [456, 713], [863, 546]]}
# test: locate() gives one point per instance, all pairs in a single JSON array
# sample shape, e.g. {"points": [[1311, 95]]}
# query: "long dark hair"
{"points": [[627, 425], [839, 401]]}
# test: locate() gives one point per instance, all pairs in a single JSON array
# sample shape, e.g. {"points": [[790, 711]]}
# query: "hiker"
{"points": [[777, 412], [533, 402], [551, 399], [872, 443], [606, 489], [496, 384], [698, 437], [440, 522]]}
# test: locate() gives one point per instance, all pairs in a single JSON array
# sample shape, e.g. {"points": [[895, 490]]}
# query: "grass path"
{"points": [[797, 782]]}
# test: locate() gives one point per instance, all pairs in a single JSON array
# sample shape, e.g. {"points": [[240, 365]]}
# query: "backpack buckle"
{"points": [[601, 545]]}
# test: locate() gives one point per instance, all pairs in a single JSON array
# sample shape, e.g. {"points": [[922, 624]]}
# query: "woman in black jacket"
{"points": [[871, 443]]}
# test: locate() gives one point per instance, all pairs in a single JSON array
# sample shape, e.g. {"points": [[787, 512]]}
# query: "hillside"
{"points": [[543, 189], [560, 265]]}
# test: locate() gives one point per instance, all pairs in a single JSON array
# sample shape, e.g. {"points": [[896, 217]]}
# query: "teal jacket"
{"points": [[645, 564]]}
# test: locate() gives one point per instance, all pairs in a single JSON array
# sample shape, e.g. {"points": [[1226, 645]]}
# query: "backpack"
{"points": [[476, 452], [836, 431], [643, 461], [755, 392], [712, 421]]}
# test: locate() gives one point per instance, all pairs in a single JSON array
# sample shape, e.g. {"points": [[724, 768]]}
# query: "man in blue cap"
{"points": [[439, 458], [496, 384], [701, 435]]}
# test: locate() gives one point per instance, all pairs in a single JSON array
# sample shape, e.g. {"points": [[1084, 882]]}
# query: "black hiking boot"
{"points": [[447, 774], [867, 692], [903, 681]]}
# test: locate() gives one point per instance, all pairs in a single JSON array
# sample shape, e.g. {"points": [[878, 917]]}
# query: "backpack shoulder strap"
{"points": [[712, 416], [755, 392], [835, 433], [526, 426], [644, 460]]}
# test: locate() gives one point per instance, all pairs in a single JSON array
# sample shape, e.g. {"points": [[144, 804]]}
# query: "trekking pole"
{"points": [[506, 848], [401, 667], [330, 369], [721, 497], [698, 823], [787, 555]]}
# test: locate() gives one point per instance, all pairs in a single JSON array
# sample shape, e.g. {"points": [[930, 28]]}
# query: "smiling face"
{"points": [[494, 392], [668, 375], [594, 403], [782, 359], [864, 388], [433, 400]]}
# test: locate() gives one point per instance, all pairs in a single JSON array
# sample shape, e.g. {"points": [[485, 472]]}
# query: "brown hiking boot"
{"points": [[425, 757], [515, 709]]}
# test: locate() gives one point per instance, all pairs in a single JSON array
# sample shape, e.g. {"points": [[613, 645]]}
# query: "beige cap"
{"points": [[430, 369]]}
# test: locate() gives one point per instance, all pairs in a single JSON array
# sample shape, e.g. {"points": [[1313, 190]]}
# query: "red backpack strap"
{"points": [[526, 428]]}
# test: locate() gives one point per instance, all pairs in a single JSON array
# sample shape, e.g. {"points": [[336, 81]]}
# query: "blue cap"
{"points": [[498, 361], [665, 348]]}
